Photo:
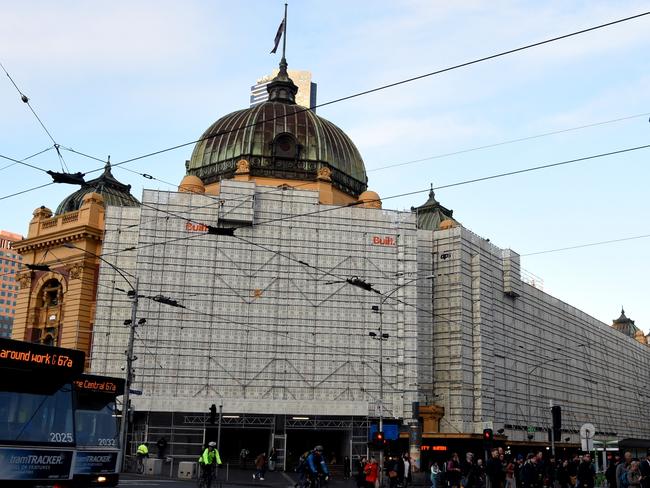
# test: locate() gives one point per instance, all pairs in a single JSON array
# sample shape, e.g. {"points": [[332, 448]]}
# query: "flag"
{"points": [[278, 36]]}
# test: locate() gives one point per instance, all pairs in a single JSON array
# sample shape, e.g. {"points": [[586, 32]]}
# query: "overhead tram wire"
{"points": [[348, 97], [22, 161], [218, 199], [373, 90], [510, 141], [25, 100], [414, 192], [590, 244], [390, 85]]}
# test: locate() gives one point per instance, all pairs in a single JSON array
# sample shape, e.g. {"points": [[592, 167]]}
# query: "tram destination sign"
{"points": [[27, 356], [99, 384]]}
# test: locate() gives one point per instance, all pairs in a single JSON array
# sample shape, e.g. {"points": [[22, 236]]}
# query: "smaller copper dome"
{"points": [[112, 191], [191, 184]]}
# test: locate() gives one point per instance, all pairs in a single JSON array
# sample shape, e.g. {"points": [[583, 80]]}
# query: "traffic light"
{"points": [[213, 414], [488, 437], [379, 440], [556, 413]]}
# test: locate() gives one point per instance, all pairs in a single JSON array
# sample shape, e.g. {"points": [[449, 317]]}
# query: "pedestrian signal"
{"points": [[488, 437], [379, 440]]}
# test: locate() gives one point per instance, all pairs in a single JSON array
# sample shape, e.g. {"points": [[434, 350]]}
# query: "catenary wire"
{"points": [[589, 244], [510, 141], [383, 87], [26, 191], [391, 85], [218, 199], [414, 192], [49, 148], [25, 100]]}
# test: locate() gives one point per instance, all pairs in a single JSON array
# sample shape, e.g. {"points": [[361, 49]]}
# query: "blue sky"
{"points": [[126, 78]]}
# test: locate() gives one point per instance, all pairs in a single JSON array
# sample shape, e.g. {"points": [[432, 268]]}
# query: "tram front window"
{"points": [[37, 417], [96, 421]]}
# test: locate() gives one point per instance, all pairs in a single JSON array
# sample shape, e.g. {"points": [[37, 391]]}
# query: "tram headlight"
{"points": [[101, 479]]}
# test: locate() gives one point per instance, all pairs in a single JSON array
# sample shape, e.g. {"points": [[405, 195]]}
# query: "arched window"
{"points": [[285, 146], [51, 294]]}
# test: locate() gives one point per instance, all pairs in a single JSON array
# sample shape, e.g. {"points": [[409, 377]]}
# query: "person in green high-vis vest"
{"points": [[208, 461]]}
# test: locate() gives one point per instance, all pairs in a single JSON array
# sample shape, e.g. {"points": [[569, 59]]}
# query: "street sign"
{"points": [[135, 392], [531, 430], [587, 433]]}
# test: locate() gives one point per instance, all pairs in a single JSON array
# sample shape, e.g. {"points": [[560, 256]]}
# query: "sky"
{"points": [[125, 79]]}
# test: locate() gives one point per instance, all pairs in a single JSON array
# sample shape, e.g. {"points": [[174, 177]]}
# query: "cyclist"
{"points": [[141, 453], [209, 461], [317, 467]]}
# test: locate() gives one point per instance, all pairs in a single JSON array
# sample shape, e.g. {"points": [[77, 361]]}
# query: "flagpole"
{"points": [[284, 37]]}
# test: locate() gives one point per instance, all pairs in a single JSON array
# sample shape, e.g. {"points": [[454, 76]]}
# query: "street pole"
{"points": [[126, 401], [552, 431], [381, 389], [219, 428]]}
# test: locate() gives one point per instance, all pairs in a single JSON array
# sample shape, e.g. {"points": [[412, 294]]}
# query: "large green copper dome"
{"points": [[279, 139]]}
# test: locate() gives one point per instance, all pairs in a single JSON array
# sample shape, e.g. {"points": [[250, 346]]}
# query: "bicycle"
{"points": [[319, 481], [205, 476], [139, 463]]}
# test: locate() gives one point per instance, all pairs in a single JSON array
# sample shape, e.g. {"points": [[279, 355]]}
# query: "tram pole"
{"points": [[126, 403]]}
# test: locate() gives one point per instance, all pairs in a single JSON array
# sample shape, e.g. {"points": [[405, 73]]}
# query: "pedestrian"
{"points": [[360, 477], [509, 472], [493, 469], [260, 467], [393, 471], [529, 472], [273, 457], [468, 472], [622, 467], [610, 472], [572, 470], [453, 471], [634, 475], [406, 475], [371, 471], [435, 475], [346, 468], [479, 478], [243, 455], [586, 472], [162, 447], [302, 469], [644, 468]]}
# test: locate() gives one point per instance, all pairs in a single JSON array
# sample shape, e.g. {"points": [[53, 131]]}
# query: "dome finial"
{"points": [[282, 89], [107, 166]]}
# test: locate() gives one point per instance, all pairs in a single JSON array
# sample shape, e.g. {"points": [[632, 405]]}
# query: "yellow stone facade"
{"points": [[57, 307], [327, 193]]}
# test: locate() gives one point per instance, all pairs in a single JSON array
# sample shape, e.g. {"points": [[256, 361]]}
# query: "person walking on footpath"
{"points": [[644, 468], [360, 477], [243, 456], [633, 475], [622, 467], [260, 466], [586, 472], [453, 471], [371, 470]]}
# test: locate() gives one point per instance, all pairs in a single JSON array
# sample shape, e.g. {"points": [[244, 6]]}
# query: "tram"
{"points": [[58, 426]]}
